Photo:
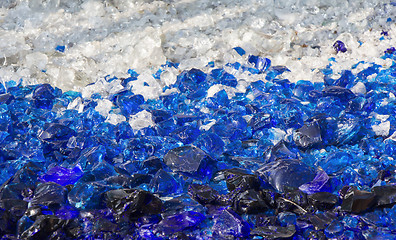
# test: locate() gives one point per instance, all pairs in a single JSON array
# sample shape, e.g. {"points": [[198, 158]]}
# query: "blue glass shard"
{"points": [[302, 89], [284, 174], [339, 46], [179, 222], [62, 176], [43, 96], [220, 76], [228, 224], [319, 184], [90, 157], [336, 161], [308, 136], [346, 79], [6, 98], [88, 195], [240, 51], [129, 104], [193, 83], [56, 134], [334, 229], [275, 71], [390, 50], [191, 161], [260, 63], [67, 212], [210, 143], [343, 94], [164, 184], [186, 134], [49, 194]]}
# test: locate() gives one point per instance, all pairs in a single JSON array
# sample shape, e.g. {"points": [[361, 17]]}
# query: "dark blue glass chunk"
{"points": [[339, 46], [284, 174], [355, 200], [249, 202], [228, 224], [203, 194], [43, 96], [133, 203], [6, 98], [62, 176], [190, 161], [343, 94], [385, 195], [178, 222], [44, 227], [390, 50], [49, 194]]}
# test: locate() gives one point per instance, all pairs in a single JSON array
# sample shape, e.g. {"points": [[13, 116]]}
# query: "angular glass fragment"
{"points": [[334, 230], [308, 136], [323, 200], [220, 76], [240, 51], [60, 48], [87, 195], [274, 232], [346, 79], [318, 184], [385, 195], [193, 83], [49, 194], [341, 93], [228, 224], [240, 180], [286, 173], [356, 201], [260, 63], [164, 184], [178, 222], [191, 161], [43, 96], [249, 202], [56, 134], [43, 227], [133, 203], [336, 161], [6, 98], [203, 194], [63, 176], [210, 143]]}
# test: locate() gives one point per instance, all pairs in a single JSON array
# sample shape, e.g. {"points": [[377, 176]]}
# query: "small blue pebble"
{"points": [[339, 46], [239, 50], [60, 48]]}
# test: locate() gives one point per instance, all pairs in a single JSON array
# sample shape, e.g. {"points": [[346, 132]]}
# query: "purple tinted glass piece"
{"points": [[317, 184], [63, 176]]}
